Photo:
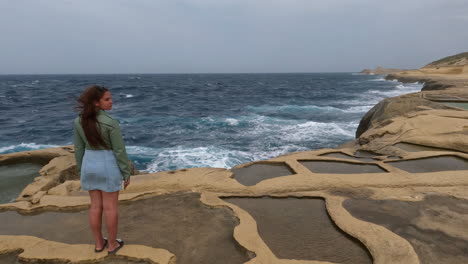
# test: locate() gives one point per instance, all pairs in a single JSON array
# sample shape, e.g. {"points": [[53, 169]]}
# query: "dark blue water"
{"points": [[173, 121]]}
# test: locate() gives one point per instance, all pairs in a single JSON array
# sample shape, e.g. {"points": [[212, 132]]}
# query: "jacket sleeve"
{"points": [[118, 147], [79, 148]]}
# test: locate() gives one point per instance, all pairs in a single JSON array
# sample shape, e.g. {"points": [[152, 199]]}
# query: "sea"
{"points": [[174, 121]]}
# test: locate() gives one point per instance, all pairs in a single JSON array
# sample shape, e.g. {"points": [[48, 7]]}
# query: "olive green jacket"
{"points": [[111, 134]]}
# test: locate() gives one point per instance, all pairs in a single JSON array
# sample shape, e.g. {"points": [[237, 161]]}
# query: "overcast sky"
{"points": [[199, 36]]}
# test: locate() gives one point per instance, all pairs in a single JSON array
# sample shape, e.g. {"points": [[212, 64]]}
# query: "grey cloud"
{"points": [[118, 36]]}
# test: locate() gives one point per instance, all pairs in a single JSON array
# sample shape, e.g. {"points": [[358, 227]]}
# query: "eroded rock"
{"points": [[435, 226]]}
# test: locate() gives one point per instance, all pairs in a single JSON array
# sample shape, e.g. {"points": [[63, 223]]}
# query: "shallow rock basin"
{"points": [[340, 155], [435, 226], [15, 177], [337, 167], [457, 104], [300, 228], [432, 164], [180, 223], [256, 173]]}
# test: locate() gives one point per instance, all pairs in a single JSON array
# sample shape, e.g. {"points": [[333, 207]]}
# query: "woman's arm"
{"points": [[118, 147], [79, 148]]}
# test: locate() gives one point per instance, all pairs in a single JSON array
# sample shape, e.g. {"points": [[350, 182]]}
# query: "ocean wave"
{"points": [[384, 94], [261, 124], [191, 157], [309, 131], [24, 147], [358, 102], [291, 108], [216, 121], [372, 97], [415, 87], [399, 89], [377, 80], [126, 95], [268, 136], [272, 130], [360, 108], [302, 108], [210, 156], [232, 121], [245, 118]]}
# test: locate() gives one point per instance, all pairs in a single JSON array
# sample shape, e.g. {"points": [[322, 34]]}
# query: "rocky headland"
{"points": [[395, 194], [449, 72], [380, 71]]}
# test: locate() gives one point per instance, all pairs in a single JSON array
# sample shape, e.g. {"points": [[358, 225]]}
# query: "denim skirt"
{"points": [[99, 171]]}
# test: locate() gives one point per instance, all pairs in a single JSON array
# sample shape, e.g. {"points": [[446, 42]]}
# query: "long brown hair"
{"points": [[88, 113]]}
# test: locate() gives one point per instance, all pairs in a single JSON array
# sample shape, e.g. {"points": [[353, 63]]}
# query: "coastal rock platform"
{"points": [[398, 193], [203, 213]]}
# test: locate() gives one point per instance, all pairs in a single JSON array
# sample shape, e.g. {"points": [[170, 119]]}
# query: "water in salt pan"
{"points": [[14, 178]]}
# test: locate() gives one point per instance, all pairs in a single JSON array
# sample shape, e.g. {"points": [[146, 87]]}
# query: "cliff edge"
{"points": [[448, 72]]}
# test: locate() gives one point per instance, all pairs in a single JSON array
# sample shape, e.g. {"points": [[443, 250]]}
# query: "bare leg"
{"points": [[110, 203], [95, 217]]}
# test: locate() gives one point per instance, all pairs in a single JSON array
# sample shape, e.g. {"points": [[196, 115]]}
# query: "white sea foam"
{"points": [[213, 156], [377, 80], [293, 135], [232, 121], [311, 130], [293, 131], [126, 95], [221, 121], [210, 156], [359, 109], [356, 102], [383, 94], [410, 87], [180, 157], [25, 147], [294, 108], [373, 97]]}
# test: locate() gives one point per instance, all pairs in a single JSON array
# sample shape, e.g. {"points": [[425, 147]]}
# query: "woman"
{"points": [[101, 162]]}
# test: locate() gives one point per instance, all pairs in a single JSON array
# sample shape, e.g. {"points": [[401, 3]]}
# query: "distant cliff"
{"points": [[460, 59], [448, 72], [380, 70], [442, 74]]}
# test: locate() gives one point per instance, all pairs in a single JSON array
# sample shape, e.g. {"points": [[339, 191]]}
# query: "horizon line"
{"points": [[174, 73]]}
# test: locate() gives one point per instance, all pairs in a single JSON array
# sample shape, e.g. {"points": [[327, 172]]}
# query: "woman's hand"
{"points": [[126, 183]]}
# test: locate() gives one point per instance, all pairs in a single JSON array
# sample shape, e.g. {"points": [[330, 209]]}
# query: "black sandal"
{"points": [[103, 247], [121, 244]]}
